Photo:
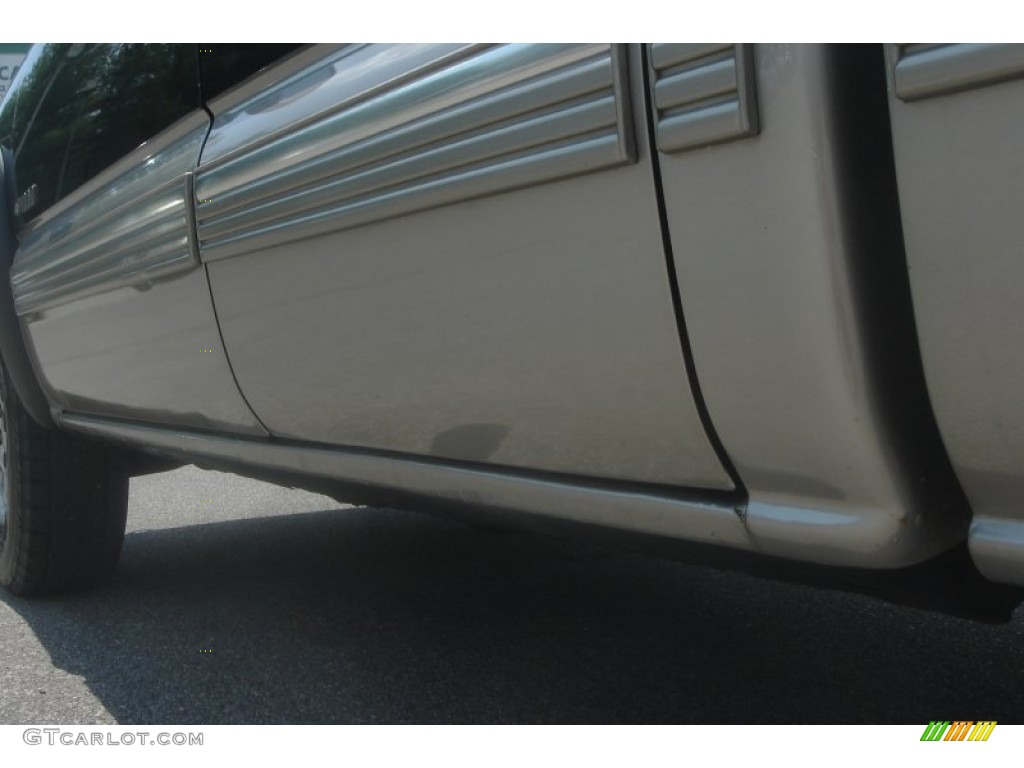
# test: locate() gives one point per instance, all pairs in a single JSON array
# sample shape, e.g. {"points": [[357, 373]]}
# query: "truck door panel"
{"points": [[453, 252], [106, 280]]}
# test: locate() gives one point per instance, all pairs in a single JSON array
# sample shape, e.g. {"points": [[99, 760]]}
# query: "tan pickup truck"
{"points": [[764, 300]]}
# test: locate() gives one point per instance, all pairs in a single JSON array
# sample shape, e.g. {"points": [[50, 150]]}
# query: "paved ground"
{"points": [[241, 602]]}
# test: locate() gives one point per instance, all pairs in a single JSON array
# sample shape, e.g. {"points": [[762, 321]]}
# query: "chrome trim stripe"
{"points": [[703, 94], [380, 179], [665, 55], [506, 117], [921, 73], [716, 79], [357, 142], [333, 82], [556, 164], [624, 509], [133, 231], [159, 150]]}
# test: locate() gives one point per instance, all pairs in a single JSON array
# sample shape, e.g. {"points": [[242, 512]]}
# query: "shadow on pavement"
{"points": [[365, 615]]}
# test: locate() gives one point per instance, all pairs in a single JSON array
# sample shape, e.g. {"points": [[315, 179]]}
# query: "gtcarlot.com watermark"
{"points": [[75, 738]]}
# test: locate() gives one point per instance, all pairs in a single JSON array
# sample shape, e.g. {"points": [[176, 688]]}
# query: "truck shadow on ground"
{"points": [[363, 615]]}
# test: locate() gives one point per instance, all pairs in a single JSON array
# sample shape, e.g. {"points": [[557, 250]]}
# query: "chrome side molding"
{"points": [[703, 94], [502, 118], [132, 230], [924, 71]]}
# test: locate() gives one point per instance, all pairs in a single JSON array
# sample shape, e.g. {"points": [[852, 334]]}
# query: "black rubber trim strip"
{"points": [[12, 343], [688, 494], [677, 303]]}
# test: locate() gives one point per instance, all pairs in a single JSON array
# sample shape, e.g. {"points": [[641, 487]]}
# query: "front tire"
{"points": [[63, 509]]}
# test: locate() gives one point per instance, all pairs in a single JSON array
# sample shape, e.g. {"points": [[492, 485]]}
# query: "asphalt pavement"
{"points": [[240, 602]]}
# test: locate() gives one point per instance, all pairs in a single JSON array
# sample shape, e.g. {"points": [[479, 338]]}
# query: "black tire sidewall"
{"points": [[14, 535]]}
